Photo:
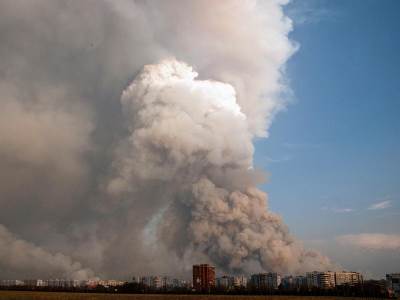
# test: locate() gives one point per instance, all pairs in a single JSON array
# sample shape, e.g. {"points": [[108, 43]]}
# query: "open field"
{"points": [[17, 295]]}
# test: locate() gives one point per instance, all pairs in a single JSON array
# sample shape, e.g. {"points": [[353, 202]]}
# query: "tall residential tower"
{"points": [[203, 277]]}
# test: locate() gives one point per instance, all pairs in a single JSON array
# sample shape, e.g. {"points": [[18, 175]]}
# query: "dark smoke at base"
{"points": [[161, 176]]}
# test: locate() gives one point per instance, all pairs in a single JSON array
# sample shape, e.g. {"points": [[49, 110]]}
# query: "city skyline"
{"points": [[205, 280]]}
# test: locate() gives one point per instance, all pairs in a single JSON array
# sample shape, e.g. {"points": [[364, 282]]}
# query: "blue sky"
{"points": [[335, 151]]}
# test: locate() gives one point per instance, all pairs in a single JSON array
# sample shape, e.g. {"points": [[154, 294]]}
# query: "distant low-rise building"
{"points": [[240, 281], [159, 282], [91, 283], [225, 282], [180, 283], [231, 282], [30, 282], [288, 283], [109, 283], [150, 282], [156, 282], [321, 280], [63, 283], [393, 282], [312, 279], [265, 281], [300, 282], [348, 278], [327, 280], [11, 282], [376, 288]]}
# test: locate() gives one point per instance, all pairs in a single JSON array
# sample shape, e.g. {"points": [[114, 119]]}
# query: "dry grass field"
{"points": [[16, 295]]}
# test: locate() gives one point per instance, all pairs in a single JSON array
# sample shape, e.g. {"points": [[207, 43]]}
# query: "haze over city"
{"points": [[145, 137]]}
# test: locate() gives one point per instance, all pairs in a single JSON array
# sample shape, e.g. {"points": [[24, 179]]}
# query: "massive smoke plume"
{"points": [[160, 177], [191, 137]]}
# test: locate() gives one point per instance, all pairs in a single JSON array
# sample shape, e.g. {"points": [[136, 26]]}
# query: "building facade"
{"points": [[327, 280], [312, 279], [203, 277], [321, 280], [11, 282], [300, 282], [288, 282], [240, 281], [348, 278], [265, 281], [225, 282]]}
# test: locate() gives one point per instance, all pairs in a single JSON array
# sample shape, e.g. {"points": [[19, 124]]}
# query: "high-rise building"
{"points": [[321, 280], [265, 281], [203, 277], [348, 278], [231, 282], [327, 280], [312, 279], [393, 281]]}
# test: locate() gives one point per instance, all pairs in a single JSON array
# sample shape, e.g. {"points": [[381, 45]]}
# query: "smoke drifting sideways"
{"points": [[93, 183], [20, 254]]}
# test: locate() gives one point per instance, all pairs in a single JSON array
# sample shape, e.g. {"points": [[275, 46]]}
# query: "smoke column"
{"points": [[191, 136], [117, 158]]}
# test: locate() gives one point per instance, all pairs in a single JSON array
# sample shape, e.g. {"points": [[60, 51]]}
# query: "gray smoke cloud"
{"points": [[155, 179], [17, 254]]}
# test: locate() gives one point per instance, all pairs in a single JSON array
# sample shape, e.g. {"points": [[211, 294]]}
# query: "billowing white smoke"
{"points": [[192, 136], [181, 126], [19, 255]]}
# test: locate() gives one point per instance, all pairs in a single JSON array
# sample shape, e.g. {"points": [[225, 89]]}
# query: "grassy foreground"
{"points": [[22, 295]]}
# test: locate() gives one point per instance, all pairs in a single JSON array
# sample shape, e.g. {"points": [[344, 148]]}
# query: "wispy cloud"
{"points": [[371, 241], [343, 210], [340, 210], [380, 205]]}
